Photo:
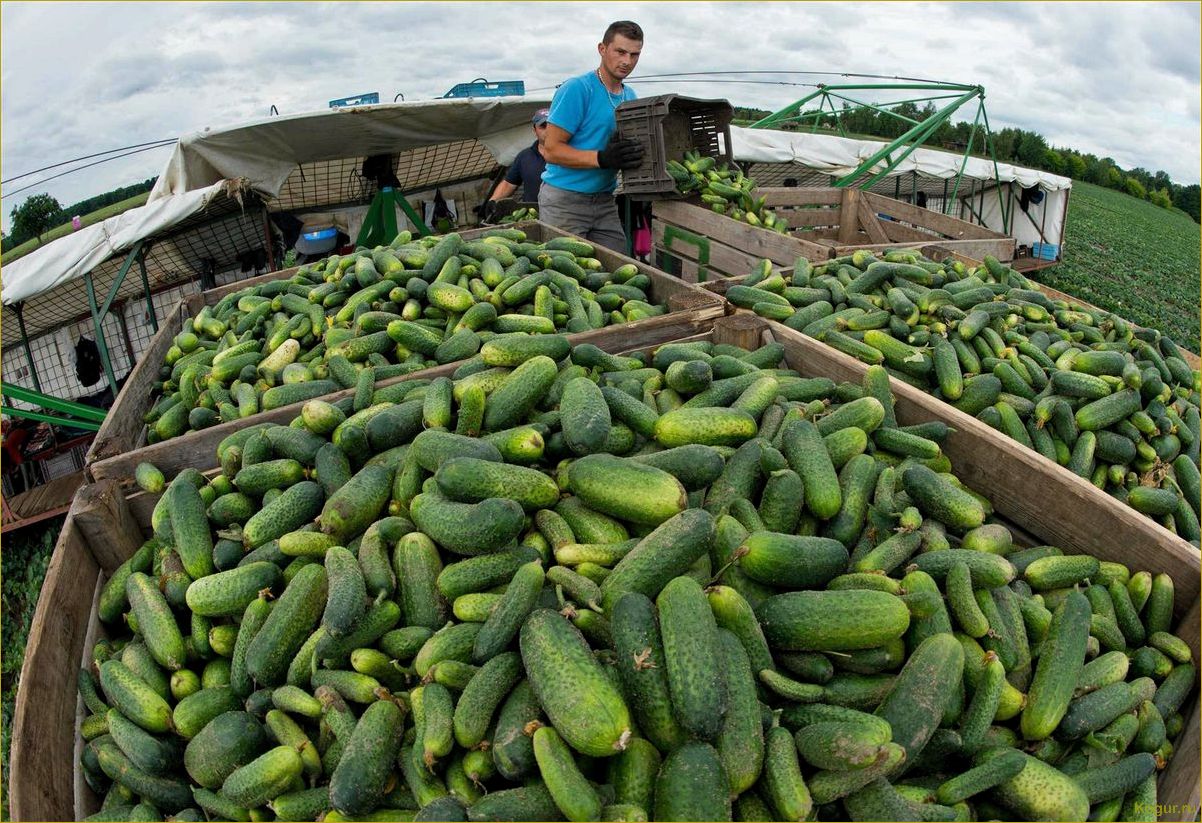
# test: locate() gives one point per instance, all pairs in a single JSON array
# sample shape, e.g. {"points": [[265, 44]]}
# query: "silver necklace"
{"points": [[610, 94]]}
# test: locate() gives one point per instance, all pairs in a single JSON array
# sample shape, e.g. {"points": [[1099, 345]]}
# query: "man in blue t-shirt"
{"points": [[582, 149]]}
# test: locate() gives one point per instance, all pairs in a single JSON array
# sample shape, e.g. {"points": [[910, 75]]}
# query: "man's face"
{"points": [[540, 132], [621, 55]]}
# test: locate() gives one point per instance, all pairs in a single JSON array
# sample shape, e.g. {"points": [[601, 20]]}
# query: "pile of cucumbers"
{"points": [[1112, 402], [520, 214], [565, 584], [379, 313], [725, 190]]}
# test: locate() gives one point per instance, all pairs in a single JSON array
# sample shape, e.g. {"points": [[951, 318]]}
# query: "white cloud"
{"points": [[1120, 79]]}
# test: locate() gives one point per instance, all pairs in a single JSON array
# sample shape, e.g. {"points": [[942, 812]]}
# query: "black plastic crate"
{"points": [[669, 125]]}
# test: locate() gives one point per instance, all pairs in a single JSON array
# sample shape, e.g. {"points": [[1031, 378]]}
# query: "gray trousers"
{"points": [[593, 217]]}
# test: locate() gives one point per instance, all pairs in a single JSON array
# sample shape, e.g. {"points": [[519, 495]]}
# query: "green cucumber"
{"points": [[578, 697]]}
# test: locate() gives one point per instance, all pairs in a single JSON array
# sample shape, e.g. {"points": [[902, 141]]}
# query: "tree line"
{"points": [[1012, 145], [41, 212]]}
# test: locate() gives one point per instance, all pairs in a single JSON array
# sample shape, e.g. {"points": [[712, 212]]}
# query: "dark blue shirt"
{"points": [[527, 171]]}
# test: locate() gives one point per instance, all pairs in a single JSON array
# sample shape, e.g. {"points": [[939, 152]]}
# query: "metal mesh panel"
{"points": [[340, 182], [221, 237], [775, 174]]}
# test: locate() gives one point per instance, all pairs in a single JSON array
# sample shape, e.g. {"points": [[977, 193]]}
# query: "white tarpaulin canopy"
{"points": [[842, 155], [781, 154], [74, 255], [267, 152], [296, 162]]}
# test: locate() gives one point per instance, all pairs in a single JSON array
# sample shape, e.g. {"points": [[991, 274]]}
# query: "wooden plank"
{"points": [[849, 216], [950, 227], [1002, 249], [211, 296], [870, 224], [776, 197], [43, 740], [761, 243], [104, 518], [1057, 505], [724, 261], [901, 233], [123, 423]]}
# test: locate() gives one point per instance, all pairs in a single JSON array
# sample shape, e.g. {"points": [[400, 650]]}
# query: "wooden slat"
{"points": [[104, 518], [849, 216], [761, 243], [776, 197], [901, 233], [43, 740], [1060, 507], [870, 224], [724, 261], [123, 422], [211, 296], [1178, 788], [950, 227], [1002, 249]]}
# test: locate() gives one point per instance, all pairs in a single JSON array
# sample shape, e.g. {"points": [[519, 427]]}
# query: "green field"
{"points": [[65, 229], [1133, 258], [26, 556]]}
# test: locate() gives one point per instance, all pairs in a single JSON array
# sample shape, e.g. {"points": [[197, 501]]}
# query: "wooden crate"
{"points": [[106, 525], [845, 220], [121, 442], [730, 248]]}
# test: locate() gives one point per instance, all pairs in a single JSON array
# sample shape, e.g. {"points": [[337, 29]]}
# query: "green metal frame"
{"points": [[47, 401], [897, 150], [72, 423], [18, 309], [672, 233], [99, 313], [80, 416], [379, 225]]}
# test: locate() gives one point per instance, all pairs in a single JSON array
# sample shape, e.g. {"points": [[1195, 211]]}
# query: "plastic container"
{"points": [[669, 125]]}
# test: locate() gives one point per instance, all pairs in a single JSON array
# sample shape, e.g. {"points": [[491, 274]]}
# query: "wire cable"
{"points": [[79, 168], [88, 157]]}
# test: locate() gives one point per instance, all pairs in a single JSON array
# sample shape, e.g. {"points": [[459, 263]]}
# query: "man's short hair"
{"points": [[626, 28]]}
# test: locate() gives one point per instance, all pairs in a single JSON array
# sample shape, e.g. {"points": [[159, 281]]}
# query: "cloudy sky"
{"points": [[1117, 79]]}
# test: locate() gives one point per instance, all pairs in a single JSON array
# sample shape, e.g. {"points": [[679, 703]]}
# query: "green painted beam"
{"points": [[18, 308], [52, 403], [49, 418], [98, 323]]}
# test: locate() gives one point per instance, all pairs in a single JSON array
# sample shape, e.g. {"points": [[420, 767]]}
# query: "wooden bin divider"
{"points": [[47, 711], [690, 308]]}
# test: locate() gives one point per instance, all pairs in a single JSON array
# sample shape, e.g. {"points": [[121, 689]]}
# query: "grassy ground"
{"points": [[65, 229], [1135, 259], [26, 556]]}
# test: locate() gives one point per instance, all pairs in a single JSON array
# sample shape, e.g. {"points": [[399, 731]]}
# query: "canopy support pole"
{"points": [[154, 321], [98, 314], [57, 404], [18, 308], [97, 322]]}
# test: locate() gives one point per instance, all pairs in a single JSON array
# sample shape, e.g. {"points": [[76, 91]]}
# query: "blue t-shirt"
{"points": [[584, 108]]}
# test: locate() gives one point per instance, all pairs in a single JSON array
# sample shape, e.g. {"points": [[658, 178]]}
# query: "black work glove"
{"points": [[490, 212], [620, 154]]}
